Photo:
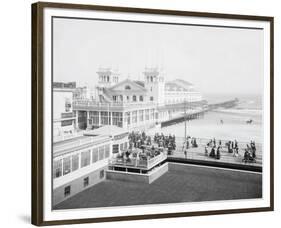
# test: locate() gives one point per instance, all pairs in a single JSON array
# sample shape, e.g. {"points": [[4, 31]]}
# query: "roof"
{"points": [[136, 86], [141, 83], [109, 130], [77, 143], [178, 85], [186, 83]]}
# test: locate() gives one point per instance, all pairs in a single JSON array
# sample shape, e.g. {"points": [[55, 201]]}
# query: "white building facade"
{"points": [[134, 104], [64, 119]]}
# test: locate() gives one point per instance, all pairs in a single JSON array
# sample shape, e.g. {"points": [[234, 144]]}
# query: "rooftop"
{"points": [[77, 143], [182, 183], [109, 130]]}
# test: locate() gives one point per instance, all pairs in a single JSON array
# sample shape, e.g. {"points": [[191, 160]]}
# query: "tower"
{"points": [[155, 85], [107, 77]]}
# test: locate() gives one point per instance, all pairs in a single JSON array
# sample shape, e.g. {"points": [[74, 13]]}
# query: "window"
{"points": [[115, 148], [105, 118], [127, 87], [67, 191], [147, 114], [94, 116], [114, 98], [128, 98], [86, 182], [67, 105], [117, 119], [85, 158], [134, 98], [66, 123], [101, 174], [128, 118], [152, 114], [57, 168], [125, 146], [66, 165], [107, 151], [95, 155], [75, 162], [151, 98], [134, 116], [101, 152], [141, 115], [141, 98]]}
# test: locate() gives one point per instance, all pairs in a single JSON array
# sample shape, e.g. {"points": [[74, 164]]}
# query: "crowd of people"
{"points": [[232, 147], [250, 152], [213, 148], [139, 140], [147, 145], [168, 142], [153, 145]]}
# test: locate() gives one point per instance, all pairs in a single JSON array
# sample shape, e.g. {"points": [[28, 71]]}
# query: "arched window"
{"points": [[127, 87], [141, 98], [151, 98]]}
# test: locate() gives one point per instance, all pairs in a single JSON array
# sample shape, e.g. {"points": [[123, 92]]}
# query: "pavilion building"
{"points": [[132, 104]]}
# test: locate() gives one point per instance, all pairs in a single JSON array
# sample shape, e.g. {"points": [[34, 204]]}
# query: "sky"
{"points": [[216, 60]]}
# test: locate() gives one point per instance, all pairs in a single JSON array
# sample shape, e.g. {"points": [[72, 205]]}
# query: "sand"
{"points": [[234, 127]]}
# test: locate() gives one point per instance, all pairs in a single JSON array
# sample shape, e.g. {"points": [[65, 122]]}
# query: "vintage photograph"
{"points": [[147, 113]]}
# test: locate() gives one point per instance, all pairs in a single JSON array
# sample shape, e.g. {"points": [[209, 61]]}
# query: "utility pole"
{"points": [[184, 120]]}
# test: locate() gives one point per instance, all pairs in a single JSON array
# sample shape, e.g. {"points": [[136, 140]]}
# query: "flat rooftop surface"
{"points": [[182, 183]]}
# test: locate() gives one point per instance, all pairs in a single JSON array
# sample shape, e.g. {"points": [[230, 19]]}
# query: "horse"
{"points": [[250, 121]]}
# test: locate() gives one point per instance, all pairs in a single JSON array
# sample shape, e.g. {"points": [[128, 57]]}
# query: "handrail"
{"points": [[137, 162]]}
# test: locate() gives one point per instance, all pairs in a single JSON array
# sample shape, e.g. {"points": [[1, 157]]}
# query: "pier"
{"points": [[196, 114], [224, 104]]}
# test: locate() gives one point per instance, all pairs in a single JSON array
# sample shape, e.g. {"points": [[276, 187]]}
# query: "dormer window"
{"points": [[127, 87]]}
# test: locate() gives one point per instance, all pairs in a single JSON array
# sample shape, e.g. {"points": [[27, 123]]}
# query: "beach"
{"points": [[234, 126]]}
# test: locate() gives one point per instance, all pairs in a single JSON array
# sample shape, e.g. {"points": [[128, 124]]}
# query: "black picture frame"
{"points": [[37, 110]]}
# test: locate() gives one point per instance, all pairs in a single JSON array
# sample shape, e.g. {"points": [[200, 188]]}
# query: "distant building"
{"points": [[64, 119], [134, 104], [84, 93]]}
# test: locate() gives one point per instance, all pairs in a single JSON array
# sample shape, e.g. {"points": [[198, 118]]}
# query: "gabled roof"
{"points": [[134, 86]]}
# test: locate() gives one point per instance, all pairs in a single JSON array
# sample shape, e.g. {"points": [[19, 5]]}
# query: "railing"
{"points": [[63, 137], [199, 152], [74, 143], [93, 104], [154, 161], [145, 162]]}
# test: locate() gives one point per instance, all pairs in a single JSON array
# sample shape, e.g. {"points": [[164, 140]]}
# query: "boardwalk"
{"points": [[199, 152]]}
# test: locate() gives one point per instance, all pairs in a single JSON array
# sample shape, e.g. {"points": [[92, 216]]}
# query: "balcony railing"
{"points": [[142, 162], [94, 104]]}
